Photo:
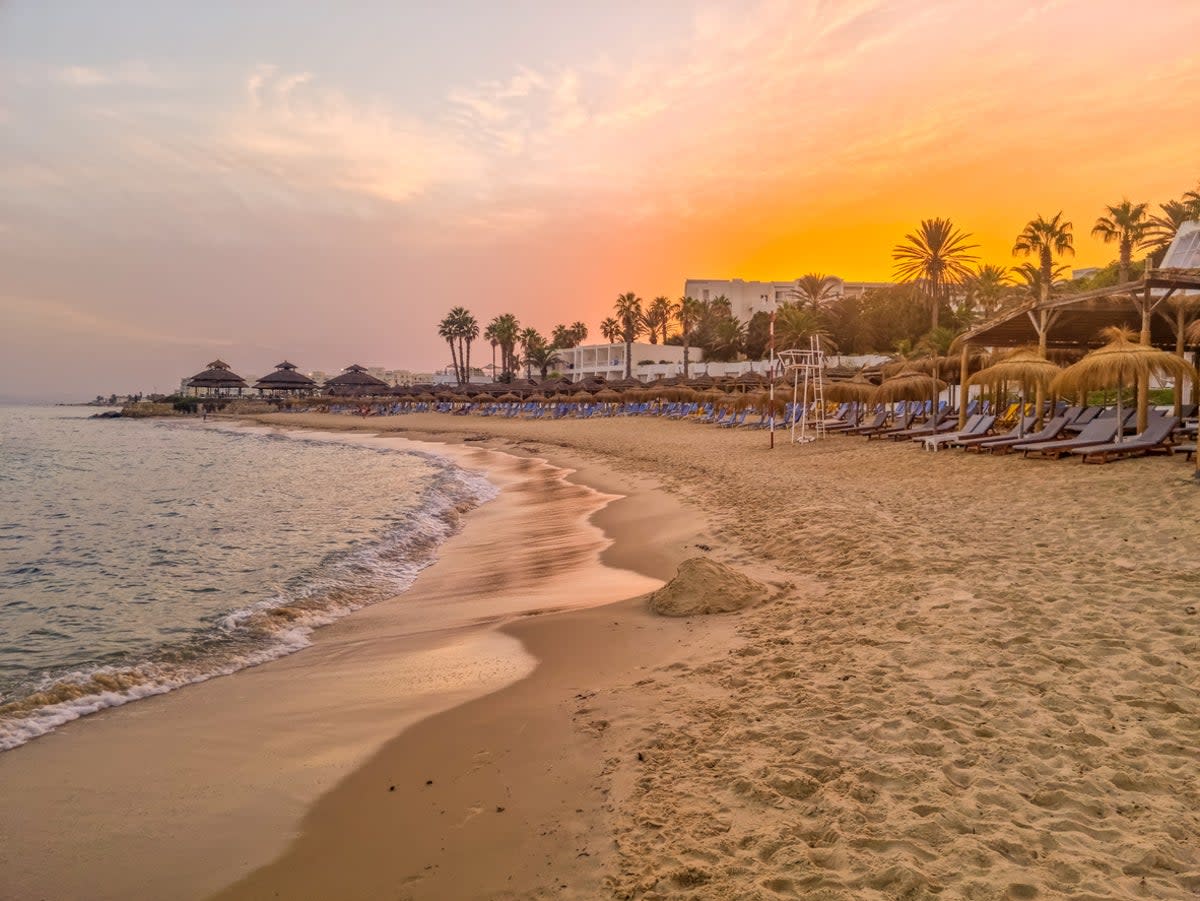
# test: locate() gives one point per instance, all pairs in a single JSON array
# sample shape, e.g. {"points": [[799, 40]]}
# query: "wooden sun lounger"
{"points": [[876, 423], [983, 441], [1156, 437], [909, 416], [1051, 431], [975, 427], [1101, 430], [940, 422]]}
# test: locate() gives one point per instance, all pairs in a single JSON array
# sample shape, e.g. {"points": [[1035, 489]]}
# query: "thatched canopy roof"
{"points": [[356, 380], [622, 384], [1119, 362], [907, 386], [218, 375], [285, 378], [1076, 320], [1024, 365]]}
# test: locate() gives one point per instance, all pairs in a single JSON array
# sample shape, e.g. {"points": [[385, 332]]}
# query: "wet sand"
{"points": [[981, 684], [175, 796]]}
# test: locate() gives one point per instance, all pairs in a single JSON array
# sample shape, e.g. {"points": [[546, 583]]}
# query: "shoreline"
{"points": [[196, 817]]}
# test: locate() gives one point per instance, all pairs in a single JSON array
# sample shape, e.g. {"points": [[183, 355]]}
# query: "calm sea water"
{"points": [[137, 556]]}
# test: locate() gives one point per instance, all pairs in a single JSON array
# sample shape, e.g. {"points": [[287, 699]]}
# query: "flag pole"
{"points": [[771, 390]]}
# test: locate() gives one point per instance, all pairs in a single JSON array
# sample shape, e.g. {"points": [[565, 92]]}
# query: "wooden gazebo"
{"points": [[356, 380], [217, 380], [285, 380]]}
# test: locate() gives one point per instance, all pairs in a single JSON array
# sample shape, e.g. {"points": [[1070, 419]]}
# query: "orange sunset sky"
{"points": [[322, 182]]}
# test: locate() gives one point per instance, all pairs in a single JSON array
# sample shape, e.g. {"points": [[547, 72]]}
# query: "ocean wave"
{"points": [[266, 629]]}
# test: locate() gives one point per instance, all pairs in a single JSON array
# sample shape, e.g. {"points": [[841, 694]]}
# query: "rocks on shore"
{"points": [[704, 586]]}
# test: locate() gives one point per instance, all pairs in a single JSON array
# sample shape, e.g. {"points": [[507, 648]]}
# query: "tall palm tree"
{"points": [[816, 290], [490, 334], [610, 330], [727, 339], [1045, 238], [467, 327], [541, 356], [987, 288], [448, 329], [629, 314], [688, 312], [1191, 200], [530, 338], [658, 318], [1126, 224], [580, 332], [935, 256]]}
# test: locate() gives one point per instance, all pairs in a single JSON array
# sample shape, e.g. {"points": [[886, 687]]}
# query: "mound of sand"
{"points": [[704, 586]]}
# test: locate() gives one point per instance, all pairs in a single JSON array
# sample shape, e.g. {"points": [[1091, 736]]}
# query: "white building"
{"points": [[650, 361], [748, 298]]}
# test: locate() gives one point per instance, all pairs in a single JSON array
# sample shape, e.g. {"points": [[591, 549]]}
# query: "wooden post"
{"points": [[963, 373], [1143, 383]]}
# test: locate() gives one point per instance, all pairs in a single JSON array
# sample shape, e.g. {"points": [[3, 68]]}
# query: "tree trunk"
{"points": [[1123, 266], [1180, 327], [453, 357], [467, 365], [628, 359], [685, 353]]}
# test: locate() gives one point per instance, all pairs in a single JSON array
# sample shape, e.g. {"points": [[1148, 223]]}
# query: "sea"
{"points": [[138, 556]]}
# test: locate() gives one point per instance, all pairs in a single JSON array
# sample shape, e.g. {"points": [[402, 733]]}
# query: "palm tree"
{"points": [[629, 314], [562, 337], [1126, 224], [688, 311], [935, 257], [467, 327], [795, 325], [817, 290], [658, 318], [610, 330], [727, 337], [580, 332], [1034, 279], [530, 338], [490, 334], [1191, 200], [541, 356], [987, 289], [1045, 237], [448, 329]]}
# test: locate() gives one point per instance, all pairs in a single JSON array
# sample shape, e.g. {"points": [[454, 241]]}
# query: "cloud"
{"points": [[61, 318], [132, 72]]}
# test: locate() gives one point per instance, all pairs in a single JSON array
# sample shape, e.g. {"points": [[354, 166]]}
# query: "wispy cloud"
{"points": [[132, 72]]}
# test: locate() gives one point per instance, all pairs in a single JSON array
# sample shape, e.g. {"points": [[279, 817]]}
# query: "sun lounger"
{"points": [[1100, 430], [984, 441], [905, 423], [1051, 431], [876, 423], [941, 422], [975, 427], [1156, 437]]}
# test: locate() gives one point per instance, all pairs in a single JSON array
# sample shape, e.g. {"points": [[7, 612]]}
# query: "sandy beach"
{"points": [[974, 678], [980, 684]]}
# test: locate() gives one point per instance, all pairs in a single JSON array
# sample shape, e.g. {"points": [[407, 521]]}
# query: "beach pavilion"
{"points": [[356, 380], [218, 380], [1159, 307], [285, 380]]}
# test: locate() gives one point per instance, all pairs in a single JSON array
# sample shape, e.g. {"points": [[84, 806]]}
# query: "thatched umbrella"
{"points": [[608, 396], [1025, 365], [508, 398], [855, 390], [1120, 362], [537, 398], [908, 385]]}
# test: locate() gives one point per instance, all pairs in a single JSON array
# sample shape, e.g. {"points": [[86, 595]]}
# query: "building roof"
{"points": [[356, 380], [285, 378]]}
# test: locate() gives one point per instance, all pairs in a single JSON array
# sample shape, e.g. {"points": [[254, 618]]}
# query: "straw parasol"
{"points": [[1119, 362], [608, 396], [855, 390], [910, 385], [508, 398], [1025, 365]]}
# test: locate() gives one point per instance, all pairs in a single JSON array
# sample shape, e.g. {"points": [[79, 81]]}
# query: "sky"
{"points": [[324, 181]]}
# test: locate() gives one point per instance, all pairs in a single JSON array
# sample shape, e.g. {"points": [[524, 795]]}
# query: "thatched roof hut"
{"points": [[356, 380], [285, 379], [218, 378]]}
